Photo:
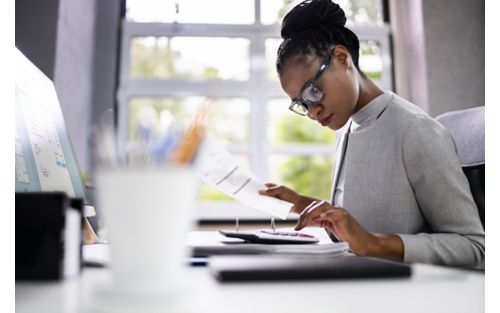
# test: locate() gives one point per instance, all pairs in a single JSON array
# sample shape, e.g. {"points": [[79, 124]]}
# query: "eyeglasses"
{"points": [[311, 94]]}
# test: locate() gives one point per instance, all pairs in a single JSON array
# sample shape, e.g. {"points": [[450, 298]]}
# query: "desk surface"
{"points": [[430, 289]]}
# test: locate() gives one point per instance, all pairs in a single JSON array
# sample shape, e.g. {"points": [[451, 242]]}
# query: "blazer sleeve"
{"points": [[443, 195]]}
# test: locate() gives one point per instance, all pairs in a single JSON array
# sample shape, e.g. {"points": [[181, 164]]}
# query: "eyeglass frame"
{"points": [[313, 81]]}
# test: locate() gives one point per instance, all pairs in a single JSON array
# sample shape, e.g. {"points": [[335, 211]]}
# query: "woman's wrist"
{"points": [[387, 245], [302, 201]]}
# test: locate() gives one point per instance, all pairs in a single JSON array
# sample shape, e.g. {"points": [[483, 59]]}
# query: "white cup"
{"points": [[147, 215]]}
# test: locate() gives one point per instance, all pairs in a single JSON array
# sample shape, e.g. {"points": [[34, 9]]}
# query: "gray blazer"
{"points": [[403, 177]]}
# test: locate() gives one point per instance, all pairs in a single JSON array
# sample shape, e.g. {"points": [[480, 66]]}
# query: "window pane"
{"points": [[228, 120], [190, 58], [287, 127], [370, 59], [308, 175], [362, 11], [191, 11], [356, 11], [272, 11], [272, 45], [209, 193]]}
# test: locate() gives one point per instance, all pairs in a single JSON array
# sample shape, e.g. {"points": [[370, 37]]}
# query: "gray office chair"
{"points": [[467, 129]]}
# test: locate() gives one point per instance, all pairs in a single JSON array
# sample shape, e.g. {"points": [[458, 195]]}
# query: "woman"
{"points": [[398, 188]]}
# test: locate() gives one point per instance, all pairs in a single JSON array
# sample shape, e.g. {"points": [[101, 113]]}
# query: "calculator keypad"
{"points": [[285, 234]]}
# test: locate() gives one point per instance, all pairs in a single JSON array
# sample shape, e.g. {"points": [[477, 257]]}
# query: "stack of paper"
{"points": [[333, 249], [330, 249]]}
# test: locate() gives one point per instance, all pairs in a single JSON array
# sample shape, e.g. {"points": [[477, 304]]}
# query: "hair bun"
{"points": [[311, 14]]}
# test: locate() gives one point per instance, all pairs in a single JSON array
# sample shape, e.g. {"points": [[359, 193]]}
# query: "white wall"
{"points": [[454, 44], [85, 67], [73, 71]]}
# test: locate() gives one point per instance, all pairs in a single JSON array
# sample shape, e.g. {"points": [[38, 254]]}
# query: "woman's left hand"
{"points": [[341, 224]]}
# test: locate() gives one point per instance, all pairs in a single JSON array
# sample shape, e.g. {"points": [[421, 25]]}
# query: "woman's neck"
{"points": [[367, 92]]}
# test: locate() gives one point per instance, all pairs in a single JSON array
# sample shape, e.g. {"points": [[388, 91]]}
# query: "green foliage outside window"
{"points": [[293, 128], [156, 60], [209, 193], [309, 175]]}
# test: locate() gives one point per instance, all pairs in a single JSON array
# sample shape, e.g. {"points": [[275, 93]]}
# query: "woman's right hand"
{"points": [[284, 193]]}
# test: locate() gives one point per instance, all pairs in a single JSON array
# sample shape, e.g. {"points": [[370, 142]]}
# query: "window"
{"points": [[178, 54]]}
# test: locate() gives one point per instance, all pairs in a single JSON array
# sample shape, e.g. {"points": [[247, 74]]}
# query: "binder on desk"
{"points": [[333, 249], [275, 268]]}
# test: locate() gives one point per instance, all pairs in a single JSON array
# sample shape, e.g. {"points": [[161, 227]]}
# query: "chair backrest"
{"points": [[467, 129]]}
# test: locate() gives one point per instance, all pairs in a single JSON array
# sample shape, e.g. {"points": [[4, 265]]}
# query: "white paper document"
{"points": [[331, 249], [217, 166]]}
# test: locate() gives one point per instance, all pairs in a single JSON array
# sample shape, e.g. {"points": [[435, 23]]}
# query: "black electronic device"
{"points": [[48, 235], [279, 268]]}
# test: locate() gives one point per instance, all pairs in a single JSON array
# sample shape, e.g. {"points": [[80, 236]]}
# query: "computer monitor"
{"points": [[44, 157]]}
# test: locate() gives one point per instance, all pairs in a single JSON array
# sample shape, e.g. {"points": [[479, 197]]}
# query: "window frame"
{"points": [[258, 89]]}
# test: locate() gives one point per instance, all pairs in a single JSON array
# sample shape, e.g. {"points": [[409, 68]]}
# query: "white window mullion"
{"points": [[135, 29], [258, 115], [122, 94], [386, 74], [257, 12], [180, 88]]}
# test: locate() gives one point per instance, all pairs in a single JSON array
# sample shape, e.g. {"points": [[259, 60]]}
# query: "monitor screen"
{"points": [[44, 157]]}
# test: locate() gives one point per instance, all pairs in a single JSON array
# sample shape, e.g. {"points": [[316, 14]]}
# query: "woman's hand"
{"points": [[287, 194], [346, 228], [339, 222]]}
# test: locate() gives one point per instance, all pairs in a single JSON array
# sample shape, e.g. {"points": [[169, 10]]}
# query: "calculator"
{"points": [[271, 237]]}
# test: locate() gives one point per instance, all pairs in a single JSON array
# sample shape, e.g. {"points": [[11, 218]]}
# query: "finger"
{"points": [[295, 210], [317, 213], [327, 224], [317, 221], [269, 192], [333, 229], [275, 191], [313, 206], [269, 187], [328, 220], [311, 211], [308, 207], [332, 215]]}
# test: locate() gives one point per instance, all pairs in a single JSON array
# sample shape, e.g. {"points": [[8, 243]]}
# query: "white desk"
{"points": [[430, 289]]}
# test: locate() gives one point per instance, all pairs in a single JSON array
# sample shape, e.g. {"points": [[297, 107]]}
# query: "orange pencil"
{"points": [[189, 143]]}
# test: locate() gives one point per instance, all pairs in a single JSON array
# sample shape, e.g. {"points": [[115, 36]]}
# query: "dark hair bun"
{"points": [[312, 14]]}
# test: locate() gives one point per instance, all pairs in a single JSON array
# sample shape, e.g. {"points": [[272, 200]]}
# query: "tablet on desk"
{"points": [[286, 268], [271, 237]]}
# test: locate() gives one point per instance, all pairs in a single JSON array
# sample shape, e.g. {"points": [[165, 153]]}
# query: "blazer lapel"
{"points": [[340, 152]]}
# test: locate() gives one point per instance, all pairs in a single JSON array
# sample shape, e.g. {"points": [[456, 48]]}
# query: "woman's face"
{"points": [[339, 82]]}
